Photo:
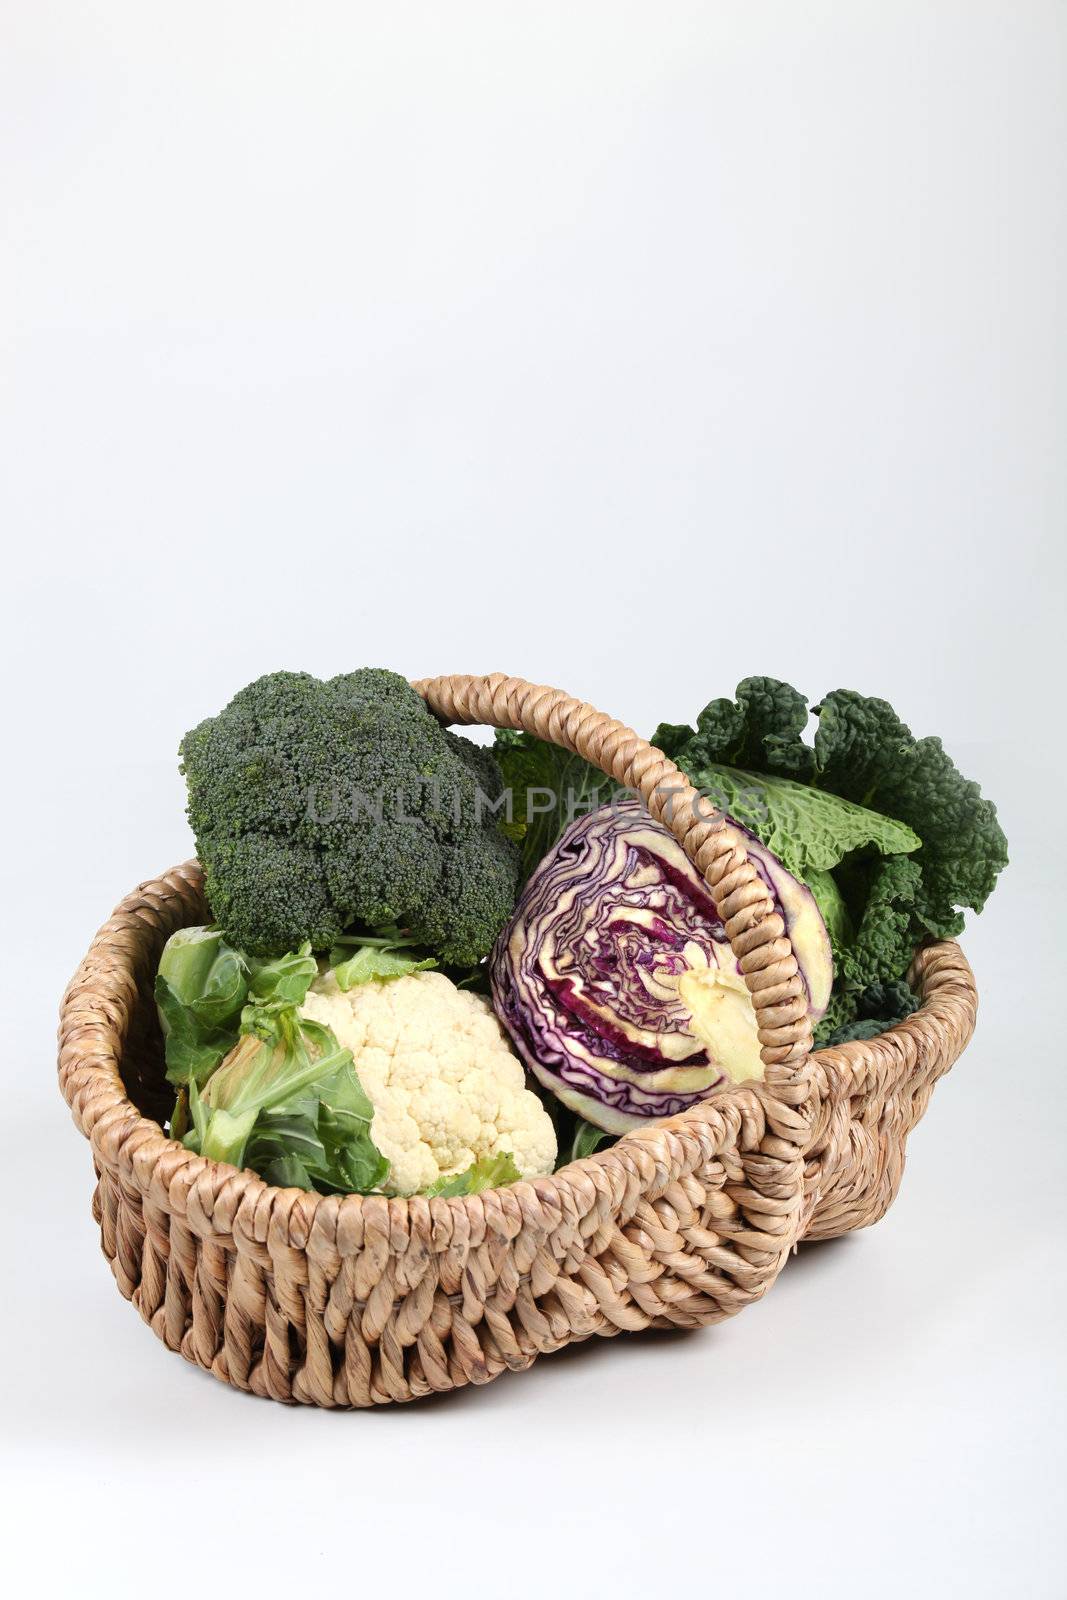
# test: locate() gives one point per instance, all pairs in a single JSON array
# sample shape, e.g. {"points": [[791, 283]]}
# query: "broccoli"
{"points": [[321, 806]]}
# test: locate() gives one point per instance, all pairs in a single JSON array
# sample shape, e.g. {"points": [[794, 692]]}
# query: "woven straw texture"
{"points": [[357, 1301]]}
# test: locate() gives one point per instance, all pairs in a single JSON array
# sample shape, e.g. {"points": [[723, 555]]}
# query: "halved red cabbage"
{"points": [[616, 980]]}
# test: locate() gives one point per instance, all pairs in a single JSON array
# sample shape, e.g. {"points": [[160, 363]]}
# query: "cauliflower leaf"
{"points": [[287, 1101], [488, 1172], [262, 1086], [381, 957]]}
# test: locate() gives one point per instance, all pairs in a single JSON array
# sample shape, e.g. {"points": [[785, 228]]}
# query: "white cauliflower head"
{"points": [[439, 1071]]}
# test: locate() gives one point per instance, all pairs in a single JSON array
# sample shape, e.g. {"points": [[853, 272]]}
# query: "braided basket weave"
{"points": [[355, 1301]]}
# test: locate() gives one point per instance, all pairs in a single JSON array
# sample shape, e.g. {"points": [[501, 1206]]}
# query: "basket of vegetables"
{"points": [[442, 1057]]}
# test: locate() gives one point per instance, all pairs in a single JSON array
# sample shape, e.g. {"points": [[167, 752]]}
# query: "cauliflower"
{"points": [[435, 1062]]}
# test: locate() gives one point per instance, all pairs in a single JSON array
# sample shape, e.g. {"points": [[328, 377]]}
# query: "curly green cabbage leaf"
{"points": [[891, 839], [808, 829], [867, 1015]]}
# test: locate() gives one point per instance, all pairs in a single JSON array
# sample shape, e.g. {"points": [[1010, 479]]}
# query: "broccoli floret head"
{"points": [[322, 806]]}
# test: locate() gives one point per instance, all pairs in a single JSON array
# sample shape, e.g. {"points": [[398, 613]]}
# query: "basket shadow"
{"points": [[806, 1261], [501, 1388], [156, 1407], [809, 1253]]}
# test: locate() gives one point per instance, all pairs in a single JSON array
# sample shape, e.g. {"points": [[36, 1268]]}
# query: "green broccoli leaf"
{"points": [[489, 1172], [549, 787], [388, 953]]}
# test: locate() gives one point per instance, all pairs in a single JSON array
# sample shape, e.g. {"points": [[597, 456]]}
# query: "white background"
{"points": [[627, 348]]}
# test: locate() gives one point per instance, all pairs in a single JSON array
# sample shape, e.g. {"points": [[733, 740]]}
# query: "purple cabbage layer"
{"points": [[585, 975]]}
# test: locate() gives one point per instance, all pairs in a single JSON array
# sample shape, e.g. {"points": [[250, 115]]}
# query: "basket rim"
{"points": [[95, 1011]]}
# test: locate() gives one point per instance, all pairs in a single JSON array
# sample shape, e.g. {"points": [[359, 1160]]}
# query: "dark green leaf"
{"points": [[877, 1008], [587, 1138], [883, 893], [192, 1050], [832, 907], [864, 752], [761, 730], [549, 787], [476, 979]]}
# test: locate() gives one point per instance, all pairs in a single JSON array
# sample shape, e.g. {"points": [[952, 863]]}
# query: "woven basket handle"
{"points": [[755, 930]]}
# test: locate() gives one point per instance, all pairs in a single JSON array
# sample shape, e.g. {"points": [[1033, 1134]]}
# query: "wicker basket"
{"points": [[353, 1301]]}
